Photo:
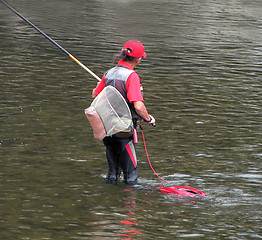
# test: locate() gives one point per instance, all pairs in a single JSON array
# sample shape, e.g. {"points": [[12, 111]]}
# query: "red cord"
{"points": [[148, 156]]}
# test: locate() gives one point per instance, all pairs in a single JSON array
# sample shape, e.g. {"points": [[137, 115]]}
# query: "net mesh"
{"points": [[113, 111]]}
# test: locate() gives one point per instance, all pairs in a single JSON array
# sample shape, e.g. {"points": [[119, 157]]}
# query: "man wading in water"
{"points": [[120, 148]]}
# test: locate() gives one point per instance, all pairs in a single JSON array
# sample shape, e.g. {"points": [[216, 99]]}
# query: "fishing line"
{"points": [[182, 191], [144, 141], [52, 41]]}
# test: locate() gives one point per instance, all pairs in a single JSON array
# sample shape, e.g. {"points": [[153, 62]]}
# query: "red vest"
{"points": [[117, 77]]}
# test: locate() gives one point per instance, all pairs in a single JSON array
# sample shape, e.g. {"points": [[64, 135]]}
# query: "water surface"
{"points": [[202, 82]]}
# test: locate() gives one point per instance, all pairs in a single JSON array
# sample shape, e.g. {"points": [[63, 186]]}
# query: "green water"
{"points": [[202, 82]]}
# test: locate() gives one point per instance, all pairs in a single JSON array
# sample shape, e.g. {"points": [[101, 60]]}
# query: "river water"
{"points": [[202, 82]]}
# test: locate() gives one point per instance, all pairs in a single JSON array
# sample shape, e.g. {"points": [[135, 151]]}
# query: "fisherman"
{"points": [[120, 148]]}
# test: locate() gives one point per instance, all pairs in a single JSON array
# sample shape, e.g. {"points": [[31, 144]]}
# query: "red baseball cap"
{"points": [[136, 48]]}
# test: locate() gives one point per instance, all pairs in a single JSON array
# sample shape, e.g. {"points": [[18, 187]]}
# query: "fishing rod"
{"points": [[52, 41]]}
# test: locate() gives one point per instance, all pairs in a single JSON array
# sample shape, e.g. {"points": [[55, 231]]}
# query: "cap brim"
{"points": [[144, 55]]}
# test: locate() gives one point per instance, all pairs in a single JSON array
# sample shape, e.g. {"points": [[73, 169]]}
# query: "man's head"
{"points": [[134, 49]]}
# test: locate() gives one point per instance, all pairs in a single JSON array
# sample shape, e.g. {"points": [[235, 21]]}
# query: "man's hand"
{"points": [[142, 112], [152, 121]]}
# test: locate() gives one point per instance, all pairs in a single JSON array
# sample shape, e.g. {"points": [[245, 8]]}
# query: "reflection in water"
{"points": [[202, 81], [130, 205]]}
